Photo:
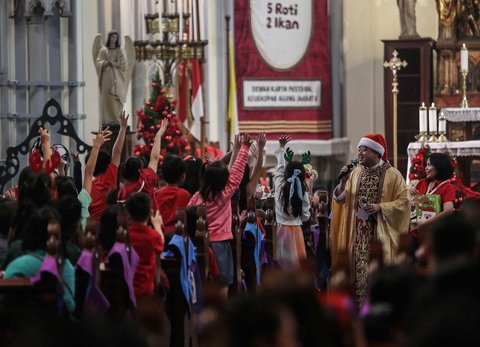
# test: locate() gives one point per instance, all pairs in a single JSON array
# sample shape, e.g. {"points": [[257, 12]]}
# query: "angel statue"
{"points": [[114, 69]]}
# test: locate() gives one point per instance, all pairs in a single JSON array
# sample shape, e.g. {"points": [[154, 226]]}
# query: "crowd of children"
{"points": [[137, 219]]}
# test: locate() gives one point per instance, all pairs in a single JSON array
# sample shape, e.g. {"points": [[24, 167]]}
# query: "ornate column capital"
{"points": [[45, 7]]}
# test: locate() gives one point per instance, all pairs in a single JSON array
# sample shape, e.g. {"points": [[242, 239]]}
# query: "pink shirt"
{"points": [[219, 211]]}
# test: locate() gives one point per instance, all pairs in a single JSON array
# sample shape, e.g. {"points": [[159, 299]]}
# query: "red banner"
{"points": [[282, 60]]}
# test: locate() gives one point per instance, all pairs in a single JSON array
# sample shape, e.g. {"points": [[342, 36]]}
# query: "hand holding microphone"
{"points": [[346, 169]]}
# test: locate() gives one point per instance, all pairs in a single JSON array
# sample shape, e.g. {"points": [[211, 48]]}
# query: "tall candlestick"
{"points": [[464, 58], [422, 118], [432, 119], [442, 128], [180, 20], [442, 123], [432, 122]]}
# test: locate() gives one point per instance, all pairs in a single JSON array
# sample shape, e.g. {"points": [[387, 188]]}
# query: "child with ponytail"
{"points": [[292, 207]]}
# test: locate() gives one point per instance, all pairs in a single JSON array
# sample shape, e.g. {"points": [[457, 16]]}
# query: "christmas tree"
{"points": [[158, 107]]}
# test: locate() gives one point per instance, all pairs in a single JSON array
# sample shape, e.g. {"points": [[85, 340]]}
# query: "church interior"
{"points": [[239, 173]]}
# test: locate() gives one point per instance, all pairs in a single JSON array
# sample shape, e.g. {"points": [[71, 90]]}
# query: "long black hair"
{"points": [[214, 179], [296, 201]]}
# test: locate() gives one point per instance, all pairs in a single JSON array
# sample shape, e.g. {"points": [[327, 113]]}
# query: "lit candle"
{"points": [[464, 58], [432, 119], [422, 118], [442, 123]]}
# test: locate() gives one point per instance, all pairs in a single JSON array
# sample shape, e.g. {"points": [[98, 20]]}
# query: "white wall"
{"points": [[366, 23]]}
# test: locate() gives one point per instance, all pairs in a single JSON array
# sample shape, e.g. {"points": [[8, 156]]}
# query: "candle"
{"points": [[160, 19], [432, 119], [180, 19], [464, 58], [422, 118], [442, 123]]}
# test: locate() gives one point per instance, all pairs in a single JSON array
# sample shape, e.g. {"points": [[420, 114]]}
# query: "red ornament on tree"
{"points": [[150, 117]]}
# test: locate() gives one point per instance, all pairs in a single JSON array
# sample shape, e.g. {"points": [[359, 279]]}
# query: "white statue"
{"points": [[408, 22], [114, 69]]}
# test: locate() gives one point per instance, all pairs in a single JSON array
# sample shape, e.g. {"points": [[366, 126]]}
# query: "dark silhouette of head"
{"points": [[173, 169], [132, 168], [214, 180], [138, 206], [103, 160], [193, 173]]}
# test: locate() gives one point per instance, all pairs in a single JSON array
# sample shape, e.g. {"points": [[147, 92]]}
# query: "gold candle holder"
{"points": [[422, 138], [442, 128]]}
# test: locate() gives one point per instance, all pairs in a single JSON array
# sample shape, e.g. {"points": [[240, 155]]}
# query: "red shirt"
{"points": [[447, 191], [146, 183], [147, 242], [166, 200], [100, 187]]}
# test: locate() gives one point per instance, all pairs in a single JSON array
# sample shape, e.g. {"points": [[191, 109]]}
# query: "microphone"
{"points": [[350, 167]]}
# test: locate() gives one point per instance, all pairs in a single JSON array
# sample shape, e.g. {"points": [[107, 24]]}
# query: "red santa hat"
{"points": [[376, 142]]}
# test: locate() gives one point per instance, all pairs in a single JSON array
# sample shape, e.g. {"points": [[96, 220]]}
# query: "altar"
{"points": [[463, 123]]}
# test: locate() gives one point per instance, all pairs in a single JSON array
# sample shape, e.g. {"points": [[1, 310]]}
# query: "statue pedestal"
{"points": [[127, 150]]}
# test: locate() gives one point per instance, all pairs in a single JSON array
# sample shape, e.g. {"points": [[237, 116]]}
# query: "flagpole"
{"points": [[228, 121]]}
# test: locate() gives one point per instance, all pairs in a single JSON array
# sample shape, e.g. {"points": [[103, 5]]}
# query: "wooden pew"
{"points": [[82, 279], [112, 280], [20, 298], [248, 249], [201, 240], [237, 287], [178, 310]]}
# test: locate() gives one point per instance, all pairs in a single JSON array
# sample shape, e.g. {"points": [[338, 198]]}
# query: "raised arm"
{"points": [[155, 154], [235, 149], [257, 169], [101, 137], [279, 177], [236, 172], [118, 146], [45, 140]]}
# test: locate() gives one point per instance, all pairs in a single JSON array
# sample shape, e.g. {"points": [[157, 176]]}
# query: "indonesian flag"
{"points": [[197, 100], [190, 106]]}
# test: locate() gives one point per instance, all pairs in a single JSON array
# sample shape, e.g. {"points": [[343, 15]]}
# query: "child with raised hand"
{"points": [[139, 179], [216, 188], [292, 207], [106, 171], [84, 196]]}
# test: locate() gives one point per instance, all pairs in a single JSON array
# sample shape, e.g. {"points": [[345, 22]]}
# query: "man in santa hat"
{"points": [[370, 203]]}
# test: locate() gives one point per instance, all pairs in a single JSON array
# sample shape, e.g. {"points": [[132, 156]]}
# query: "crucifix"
{"points": [[395, 64]]}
